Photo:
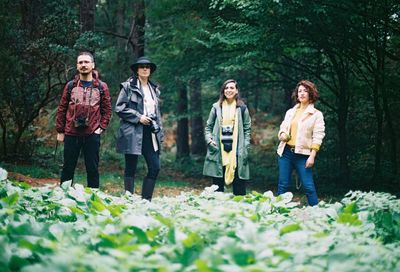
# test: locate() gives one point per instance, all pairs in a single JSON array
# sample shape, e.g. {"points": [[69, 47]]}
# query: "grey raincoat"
{"points": [[130, 108]]}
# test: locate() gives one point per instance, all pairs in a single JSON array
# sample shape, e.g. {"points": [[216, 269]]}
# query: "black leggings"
{"points": [[152, 157], [238, 185]]}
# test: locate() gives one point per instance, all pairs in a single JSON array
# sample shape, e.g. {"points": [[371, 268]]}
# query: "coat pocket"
{"points": [[245, 156], [212, 153]]}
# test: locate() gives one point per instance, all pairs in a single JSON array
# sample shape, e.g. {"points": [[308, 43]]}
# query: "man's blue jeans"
{"points": [[287, 163]]}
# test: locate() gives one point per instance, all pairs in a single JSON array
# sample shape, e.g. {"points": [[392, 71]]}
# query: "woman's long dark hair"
{"points": [[239, 101]]}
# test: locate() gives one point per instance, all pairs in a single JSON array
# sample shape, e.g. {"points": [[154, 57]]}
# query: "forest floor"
{"points": [[162, 189], [183, 176], [193, 185]]}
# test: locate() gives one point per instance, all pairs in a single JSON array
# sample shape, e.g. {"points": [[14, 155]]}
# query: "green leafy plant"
{"points": [[51, 228]]}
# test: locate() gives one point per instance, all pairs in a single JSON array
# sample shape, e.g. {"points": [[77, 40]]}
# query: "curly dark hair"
{"points": [[311, 89]]}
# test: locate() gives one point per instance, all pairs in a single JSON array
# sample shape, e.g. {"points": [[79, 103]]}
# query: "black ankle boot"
{"points": [[148, 188], [129, 183]]}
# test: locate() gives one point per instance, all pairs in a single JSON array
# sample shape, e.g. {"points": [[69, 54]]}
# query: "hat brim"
{"points": [[135, 67]]}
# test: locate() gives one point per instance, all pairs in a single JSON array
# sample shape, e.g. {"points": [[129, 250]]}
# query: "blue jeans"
{"points": [[287, 163]]}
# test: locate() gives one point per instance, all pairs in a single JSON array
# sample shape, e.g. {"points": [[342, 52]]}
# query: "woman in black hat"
{"points": [[140, 131]]}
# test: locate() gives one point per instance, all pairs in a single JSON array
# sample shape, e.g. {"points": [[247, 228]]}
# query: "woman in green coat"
{"points": [[227, 134]]}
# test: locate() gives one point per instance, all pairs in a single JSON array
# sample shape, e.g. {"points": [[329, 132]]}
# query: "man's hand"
{"points": [[60, 137], [98, 131]]}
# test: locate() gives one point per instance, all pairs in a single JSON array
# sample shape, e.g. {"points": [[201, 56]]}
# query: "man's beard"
{"points": [[85, 73]]}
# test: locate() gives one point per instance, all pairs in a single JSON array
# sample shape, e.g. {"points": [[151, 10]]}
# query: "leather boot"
{"points": [[148, 188], [129, 183]]}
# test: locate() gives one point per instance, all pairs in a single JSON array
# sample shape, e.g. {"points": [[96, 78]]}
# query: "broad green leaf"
{"points": [[346, 218], [11, 200], [192, 240], [96, 203], [17, 262], [77, 210], [350, 208], [202, 266], [281, 253], [289, 228], [115, 210], [238, 198], [24, 185], [243, 257], [141, 235]]}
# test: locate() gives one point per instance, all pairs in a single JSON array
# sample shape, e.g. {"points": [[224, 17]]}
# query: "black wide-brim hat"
{"points": [[143, 60]]}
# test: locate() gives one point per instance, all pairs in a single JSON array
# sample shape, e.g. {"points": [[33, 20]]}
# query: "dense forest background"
{"points": [[349, 48]]}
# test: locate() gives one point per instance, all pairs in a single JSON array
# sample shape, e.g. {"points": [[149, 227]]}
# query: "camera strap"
{"points": [[90, 101], [242, 110], [298, 183]]}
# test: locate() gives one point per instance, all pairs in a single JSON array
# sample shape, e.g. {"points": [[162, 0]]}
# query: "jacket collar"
{"points": [[133, 81], [310, 108], [95, 79]]}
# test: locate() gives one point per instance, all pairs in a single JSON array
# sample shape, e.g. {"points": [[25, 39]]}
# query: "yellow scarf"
{"points": [[229, 117]]}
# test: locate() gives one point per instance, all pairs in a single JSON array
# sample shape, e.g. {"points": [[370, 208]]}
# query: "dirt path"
{"points": [[111, 188], [32, 181]]}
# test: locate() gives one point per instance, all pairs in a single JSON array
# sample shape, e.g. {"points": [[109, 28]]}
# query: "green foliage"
{"points": [[43, 228], [348, 48], [37, 37], [382, 211]]}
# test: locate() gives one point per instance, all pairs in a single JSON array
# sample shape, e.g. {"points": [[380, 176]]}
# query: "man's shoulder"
{"points": [[103, 84]]}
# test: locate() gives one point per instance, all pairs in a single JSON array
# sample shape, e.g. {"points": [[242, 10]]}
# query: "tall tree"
{"points": [[176, 29], [87, 10], [198, 146], [35, 49], [182, 139], [136, 35]]}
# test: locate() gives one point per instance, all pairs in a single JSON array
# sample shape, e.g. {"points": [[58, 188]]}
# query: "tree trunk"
{"points": [[120, 21], [391, 131], [392, 134], [30, 12], [342, 71], [379, 116], [136, 36], [17, 139], [4, 138], [342, 127], [198, 146], [87, 10], [182, 138]]}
